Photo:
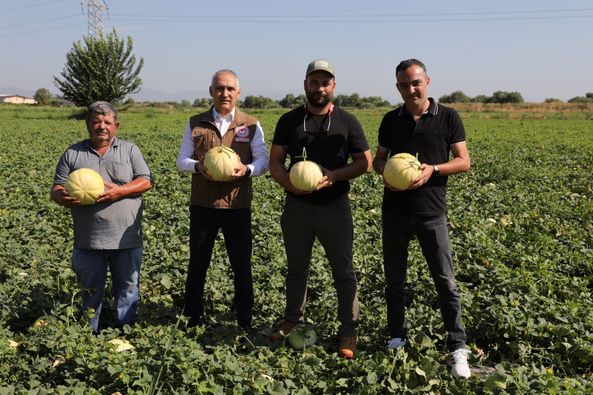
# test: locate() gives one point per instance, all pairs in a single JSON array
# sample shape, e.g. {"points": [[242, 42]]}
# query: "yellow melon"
{"points": [[401, 170], [85, 185], [221, 163], [305, 175]]}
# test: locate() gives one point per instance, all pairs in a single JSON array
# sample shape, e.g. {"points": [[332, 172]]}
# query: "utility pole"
{"points": [[95, 10]]}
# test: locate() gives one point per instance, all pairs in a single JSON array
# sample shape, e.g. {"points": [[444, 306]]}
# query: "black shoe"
{"points": [[249, 335], [193, 322], [249, 330]]}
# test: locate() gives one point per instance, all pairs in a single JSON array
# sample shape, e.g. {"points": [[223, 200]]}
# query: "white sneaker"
{"points": [[396, 343], [458, 360]]}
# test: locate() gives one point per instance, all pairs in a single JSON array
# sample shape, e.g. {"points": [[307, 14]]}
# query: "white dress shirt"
{"points": [[259, 150]]}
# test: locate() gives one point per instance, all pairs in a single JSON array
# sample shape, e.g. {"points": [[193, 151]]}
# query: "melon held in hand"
{"points": [[401, 170], [305, 175], [221, 163], [85, 185]]}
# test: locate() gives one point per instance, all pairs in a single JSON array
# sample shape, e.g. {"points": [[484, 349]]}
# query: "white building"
{"points": [[17, 99]]}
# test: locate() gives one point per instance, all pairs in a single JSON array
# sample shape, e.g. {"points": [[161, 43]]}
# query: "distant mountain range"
{"points": [[145, 94]]}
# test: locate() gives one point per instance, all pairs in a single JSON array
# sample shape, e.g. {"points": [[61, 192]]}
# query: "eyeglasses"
{"points": [[329, 121], [329, 124]]}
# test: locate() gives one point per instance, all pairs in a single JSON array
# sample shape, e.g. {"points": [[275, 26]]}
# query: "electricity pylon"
{"points": [[95, 10]]}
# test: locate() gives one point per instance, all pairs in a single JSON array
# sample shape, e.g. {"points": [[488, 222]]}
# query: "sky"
{"points": [[540, 48]]}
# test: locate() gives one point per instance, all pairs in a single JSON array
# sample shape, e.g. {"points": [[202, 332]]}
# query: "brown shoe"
{"points": [[282, 331], [347, 346]]}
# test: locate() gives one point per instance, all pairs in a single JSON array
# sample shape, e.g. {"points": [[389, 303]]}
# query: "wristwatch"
{"points": [[435, 171], [247, 171]]}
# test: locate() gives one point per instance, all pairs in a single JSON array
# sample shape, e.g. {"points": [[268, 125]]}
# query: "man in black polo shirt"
{"points": [[433, 132], [331, 137]]}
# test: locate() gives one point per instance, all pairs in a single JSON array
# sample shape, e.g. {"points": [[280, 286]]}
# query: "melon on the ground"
{"points": [[302, 336]]}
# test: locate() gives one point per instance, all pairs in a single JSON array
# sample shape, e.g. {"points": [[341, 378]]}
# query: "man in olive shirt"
{"points": [[107, 234]]}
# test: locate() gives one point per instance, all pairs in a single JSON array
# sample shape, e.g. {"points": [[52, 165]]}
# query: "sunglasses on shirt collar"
{"points": [[320, 132]]}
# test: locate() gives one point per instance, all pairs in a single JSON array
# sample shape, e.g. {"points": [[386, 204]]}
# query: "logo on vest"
{"points": [[242, 134]]}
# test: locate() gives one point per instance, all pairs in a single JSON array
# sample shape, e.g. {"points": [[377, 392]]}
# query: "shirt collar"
{"points": [[87, 143], [433, 108], [217, 117]]}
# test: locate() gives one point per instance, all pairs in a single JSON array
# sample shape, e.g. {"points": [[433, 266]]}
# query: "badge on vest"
{"points": [[242, 134]]}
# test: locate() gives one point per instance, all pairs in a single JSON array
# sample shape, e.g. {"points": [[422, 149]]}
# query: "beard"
{"points": [[318, 100]]}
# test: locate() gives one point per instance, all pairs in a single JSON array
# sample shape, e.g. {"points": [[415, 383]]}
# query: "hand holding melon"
{"points": [[85, 185], [401, 170]]}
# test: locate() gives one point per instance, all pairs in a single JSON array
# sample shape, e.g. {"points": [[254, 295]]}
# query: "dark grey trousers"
{"points": [[433, 237], [332, 225]]}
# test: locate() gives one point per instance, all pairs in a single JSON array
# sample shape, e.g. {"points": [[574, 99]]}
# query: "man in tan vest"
{"points": [[221, 205]]}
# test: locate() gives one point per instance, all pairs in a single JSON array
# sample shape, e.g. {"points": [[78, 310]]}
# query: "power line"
{"points": [[41, 21], [350, 16], [96, 7], [41, 30], [308, 20], [30, 5]]}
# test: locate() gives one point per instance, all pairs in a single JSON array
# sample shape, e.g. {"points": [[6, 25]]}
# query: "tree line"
{"points": [[290, 101], [501, 97], [504, 97]]}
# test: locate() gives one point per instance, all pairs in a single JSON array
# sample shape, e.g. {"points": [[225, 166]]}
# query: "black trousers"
{"points": [[236, 229]]}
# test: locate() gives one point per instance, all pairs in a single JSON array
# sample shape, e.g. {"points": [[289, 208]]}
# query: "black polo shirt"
{"points": [[330, 140], [431, 138]]}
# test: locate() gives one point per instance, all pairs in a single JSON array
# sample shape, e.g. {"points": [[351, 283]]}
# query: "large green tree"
{"points": [[43, 96], [504, 97], [101, 68], [290, 101]]}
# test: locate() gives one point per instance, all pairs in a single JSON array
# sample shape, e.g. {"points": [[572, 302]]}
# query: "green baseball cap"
{"points": [[320, 65]]}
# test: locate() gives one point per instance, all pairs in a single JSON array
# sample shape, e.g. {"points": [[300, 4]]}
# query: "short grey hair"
{"points": [[100, 108], [224, 71]]}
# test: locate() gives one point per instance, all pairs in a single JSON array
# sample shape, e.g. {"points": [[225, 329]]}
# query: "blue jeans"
{"points": [[433, 237], [91, 267]]}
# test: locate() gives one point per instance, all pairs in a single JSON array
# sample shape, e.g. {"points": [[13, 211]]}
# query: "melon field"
{"points": [[521, 227]]}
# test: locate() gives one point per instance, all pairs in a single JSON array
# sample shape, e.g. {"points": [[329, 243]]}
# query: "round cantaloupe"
{"points": [[401, 170], [305, 175], [302, 336], [86, 185], [221, 163]]}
